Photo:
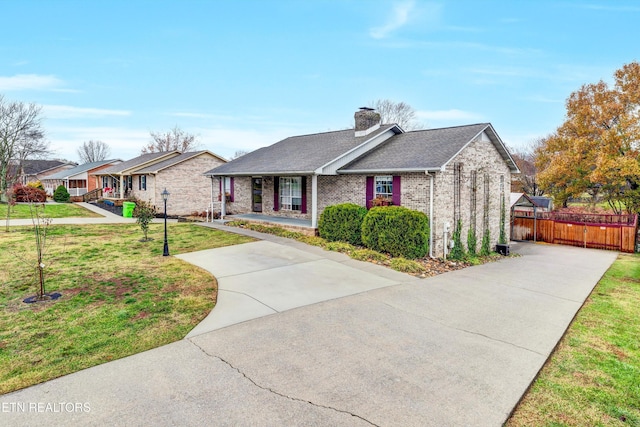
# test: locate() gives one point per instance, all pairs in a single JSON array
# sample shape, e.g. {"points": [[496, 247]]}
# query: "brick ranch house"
{"points": [[146, 176], [78, 180], [35, 170], [449, 174]]}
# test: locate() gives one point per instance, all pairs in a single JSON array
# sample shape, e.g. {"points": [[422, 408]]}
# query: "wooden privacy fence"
{"points": [[612, 232]]}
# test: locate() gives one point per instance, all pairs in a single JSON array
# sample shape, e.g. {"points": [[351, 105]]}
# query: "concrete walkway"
{"points": [[456, 349], [105, 218]]}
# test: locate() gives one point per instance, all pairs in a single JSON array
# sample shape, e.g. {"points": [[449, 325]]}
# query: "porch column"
{"points": [[314, 201], [223, 199], [122, 186], [211, 198]]}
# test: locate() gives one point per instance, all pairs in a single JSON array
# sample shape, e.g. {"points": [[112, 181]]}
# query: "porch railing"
{"points": [[92, 195]]}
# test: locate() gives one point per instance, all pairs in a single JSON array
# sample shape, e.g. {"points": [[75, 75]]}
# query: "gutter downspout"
{"points": [[431, 178]]}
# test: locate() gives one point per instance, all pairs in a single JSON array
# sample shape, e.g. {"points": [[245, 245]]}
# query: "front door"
{"points": [[256, 194]]}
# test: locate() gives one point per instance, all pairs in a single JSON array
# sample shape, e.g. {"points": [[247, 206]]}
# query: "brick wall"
{"points": [[479, 156], [483, 158], [333, 190], [189, 189]]}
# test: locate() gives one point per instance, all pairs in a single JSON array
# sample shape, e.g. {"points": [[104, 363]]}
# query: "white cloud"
{"points": [[398, 18], [68, 112], [31, 82], [447, 115]]}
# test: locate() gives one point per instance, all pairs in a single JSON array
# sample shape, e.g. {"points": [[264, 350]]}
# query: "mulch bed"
{"points": [[111, 208]]}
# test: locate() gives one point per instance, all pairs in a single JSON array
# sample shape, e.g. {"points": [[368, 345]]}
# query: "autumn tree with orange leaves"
{"points": [[596, 149]]}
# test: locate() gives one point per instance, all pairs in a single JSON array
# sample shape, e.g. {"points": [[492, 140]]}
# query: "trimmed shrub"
{"points": [[396, 230], [26, 194], [342, 223], [61, 195]]}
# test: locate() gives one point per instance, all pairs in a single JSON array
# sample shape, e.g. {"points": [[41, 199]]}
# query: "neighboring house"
{"points": [[545, 204], [34, 170], [449, 174], [78, 180], [522, 202], [146, 176]]}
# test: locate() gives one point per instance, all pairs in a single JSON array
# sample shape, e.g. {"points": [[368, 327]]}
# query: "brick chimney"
{"points": [[367, 121]]}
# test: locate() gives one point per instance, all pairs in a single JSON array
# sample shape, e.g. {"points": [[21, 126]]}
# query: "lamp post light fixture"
{"points": [[165, 196]]}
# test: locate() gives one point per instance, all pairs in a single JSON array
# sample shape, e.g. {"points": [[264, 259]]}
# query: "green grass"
{"points": [[51, 210], [119, 296], [593, 378]]}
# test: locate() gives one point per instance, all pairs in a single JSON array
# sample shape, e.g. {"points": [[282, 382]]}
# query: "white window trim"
{"points": [[286, 200], [387, 178]]}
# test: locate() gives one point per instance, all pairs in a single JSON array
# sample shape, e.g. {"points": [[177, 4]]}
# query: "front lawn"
{"points": [[119, 296], [593, 378], [52, 210]]}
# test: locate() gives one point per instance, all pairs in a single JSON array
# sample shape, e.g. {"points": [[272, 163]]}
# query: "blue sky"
{"points": [[245, 74]]}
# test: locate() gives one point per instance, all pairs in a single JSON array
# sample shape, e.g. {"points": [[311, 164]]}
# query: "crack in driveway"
{"points": [[459, 329], [296, 399]]}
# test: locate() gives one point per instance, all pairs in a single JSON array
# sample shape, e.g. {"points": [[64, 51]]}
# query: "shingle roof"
{"points": [[32, 167], [417, 150], [154, 168], [78, 169], [136, 161], [297, 154], [541, 201]]}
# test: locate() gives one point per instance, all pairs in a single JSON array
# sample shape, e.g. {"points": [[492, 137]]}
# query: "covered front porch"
{"points": [[294, 224]]}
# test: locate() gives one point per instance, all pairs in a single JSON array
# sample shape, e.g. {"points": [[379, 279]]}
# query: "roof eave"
{"points": [[390, 170], [274, 173]]}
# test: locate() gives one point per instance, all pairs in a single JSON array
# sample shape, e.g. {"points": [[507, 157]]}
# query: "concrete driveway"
{"points": [[456, 349]]}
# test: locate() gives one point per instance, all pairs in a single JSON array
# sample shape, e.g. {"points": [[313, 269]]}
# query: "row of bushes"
{"points": [[395, 230], [34, 193]]}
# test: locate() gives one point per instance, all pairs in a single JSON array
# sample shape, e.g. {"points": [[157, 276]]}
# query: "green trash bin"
{"points": [[127, 209]]}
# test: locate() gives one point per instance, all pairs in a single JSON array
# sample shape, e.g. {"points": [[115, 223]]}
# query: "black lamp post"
{"points": [[165, 196]]}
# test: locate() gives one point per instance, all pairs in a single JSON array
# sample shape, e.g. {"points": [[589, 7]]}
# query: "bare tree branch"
{"points": [[93, 151], [238, 153], [21, 137], [174, 139], [399, 113]]}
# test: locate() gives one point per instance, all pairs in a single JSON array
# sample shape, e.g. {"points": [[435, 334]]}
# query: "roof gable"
{"points": [[157, 167], [128, 167], [33, 167], [423, 150], [79, 169], [302, 154]]}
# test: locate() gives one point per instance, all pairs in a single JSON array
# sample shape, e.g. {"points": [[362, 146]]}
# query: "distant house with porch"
{"points": [[35, 170], [449, 174], [78, 180], [146, 176]]}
